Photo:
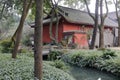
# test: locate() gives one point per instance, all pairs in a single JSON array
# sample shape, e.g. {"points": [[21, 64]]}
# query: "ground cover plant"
{"points": [[22, 69], [55, 55], [106, 60]]}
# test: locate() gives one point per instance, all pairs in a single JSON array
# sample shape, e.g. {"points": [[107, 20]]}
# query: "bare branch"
{"points": [[106, 9], [52, 3], [101, 12], [114, 2], [46, 12], [89, 10], [1, 14], [116, 6], [54, 7], [29, 5], [55, 2]]}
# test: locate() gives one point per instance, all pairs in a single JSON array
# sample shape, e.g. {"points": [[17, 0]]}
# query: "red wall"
{"points": [[81, 40], [46, 36], [69, 27]]}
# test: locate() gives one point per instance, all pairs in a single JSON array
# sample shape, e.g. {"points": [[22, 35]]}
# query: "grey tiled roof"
{"points": [[112, 16], [82, 17]]}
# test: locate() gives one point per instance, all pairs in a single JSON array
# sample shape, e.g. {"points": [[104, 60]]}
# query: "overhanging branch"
{"points": [[89, 10]]}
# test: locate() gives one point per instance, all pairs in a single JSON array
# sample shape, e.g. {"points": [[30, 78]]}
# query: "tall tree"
{"points": [[95, 18], [54, 15], [54, 6], [38, 40], [51, 25], [117, 8], [46, 9], [17, 35], [101, 26]]}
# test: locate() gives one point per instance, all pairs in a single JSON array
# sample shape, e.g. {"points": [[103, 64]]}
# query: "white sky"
{"points": [[92, 7]]}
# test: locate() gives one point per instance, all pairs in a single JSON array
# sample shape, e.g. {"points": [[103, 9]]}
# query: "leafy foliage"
{"points": [[46, 7], [58, 64], [6, 46], [22, 69], [96, 59], [81, 58], [8, 7], [55, 74], [107, 54], [55, 55]]}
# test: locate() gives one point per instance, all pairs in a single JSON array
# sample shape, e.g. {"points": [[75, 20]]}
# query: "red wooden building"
{"points": [[76, 27]]}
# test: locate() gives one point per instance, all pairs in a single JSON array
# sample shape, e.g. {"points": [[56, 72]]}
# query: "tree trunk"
{"points": [[118, 18], [38, 40], [54, 5], [119, 32], [17, 35], [101, 37], [54, 37], [95, 26], [57, 25], [101, 27], [50, 27], [1, 13]]}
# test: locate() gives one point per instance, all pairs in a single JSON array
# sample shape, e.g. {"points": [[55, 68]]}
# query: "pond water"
{"points": [[90, 74]]}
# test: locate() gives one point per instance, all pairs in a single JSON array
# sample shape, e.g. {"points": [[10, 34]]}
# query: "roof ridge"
{"points": [[73, 9]]}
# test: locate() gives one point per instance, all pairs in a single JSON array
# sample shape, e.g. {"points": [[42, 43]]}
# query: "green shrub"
{"points": [[107, 54], [59, 64], [96, 59], [22, 69], [73, 45], [53, 73], [23, 50], [81, 58], [111, 65], [85, 60], [54, 55], [6, 46], [29, 54]]}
